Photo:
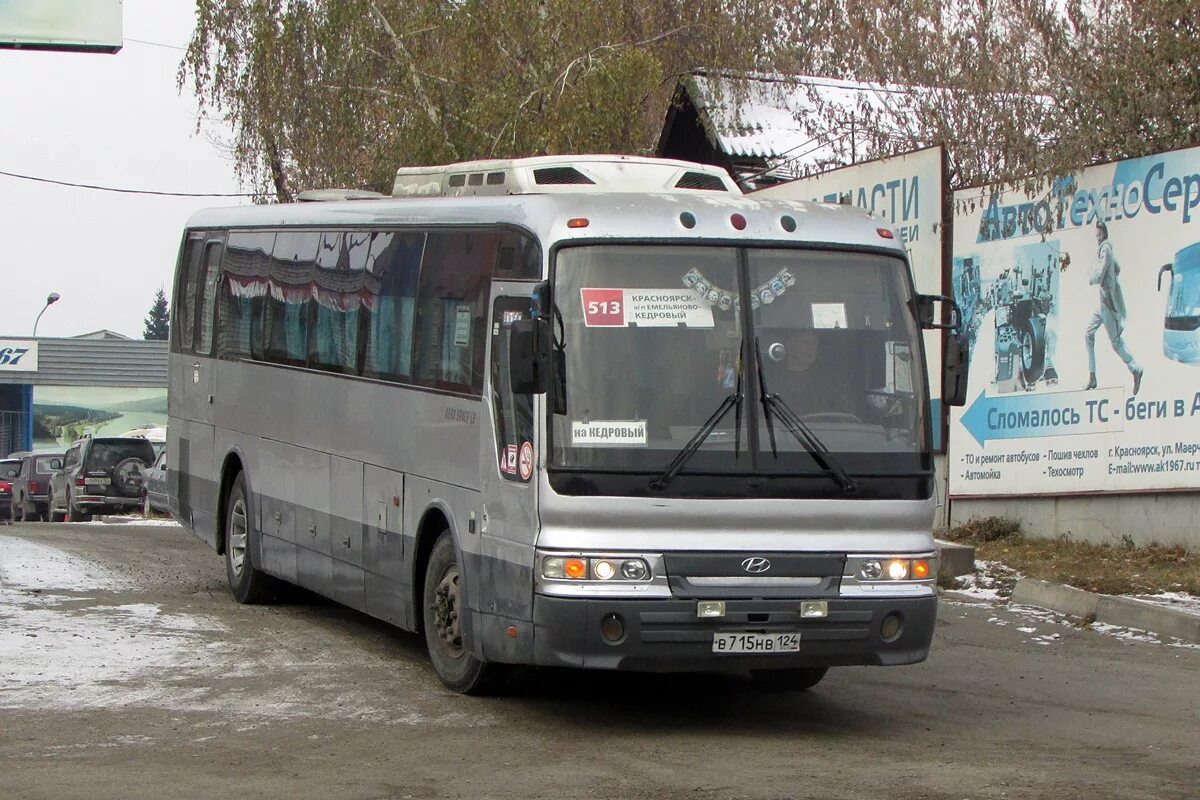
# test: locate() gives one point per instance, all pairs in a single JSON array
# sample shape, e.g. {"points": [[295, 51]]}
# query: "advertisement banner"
{"points": [[87, 25], [62, 414], [1081, 308], [18, 355], [907, 191]]}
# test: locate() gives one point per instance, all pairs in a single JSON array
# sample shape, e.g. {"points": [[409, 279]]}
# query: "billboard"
{"points": [[88, 25], [1081, 309], [18, 355], [62, 414], [907, 191]]}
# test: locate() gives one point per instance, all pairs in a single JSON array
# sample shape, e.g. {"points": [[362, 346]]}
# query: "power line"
{"points": [[153, 44], [124, 191]]}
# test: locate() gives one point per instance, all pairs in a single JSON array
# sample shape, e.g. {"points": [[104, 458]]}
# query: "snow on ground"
{"points": [[68, 642], [988, 581], [1179, 601], [29, 566]]}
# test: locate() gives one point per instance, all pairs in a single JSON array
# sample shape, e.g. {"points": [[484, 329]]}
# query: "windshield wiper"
{"points": [[796, 426], [699, 437]]}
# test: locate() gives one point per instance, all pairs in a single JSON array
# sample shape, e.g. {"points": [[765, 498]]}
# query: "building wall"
{"points": [[1104, 519]]}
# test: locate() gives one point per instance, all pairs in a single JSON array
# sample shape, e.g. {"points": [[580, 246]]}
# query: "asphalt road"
{"points": [[126, 670]]}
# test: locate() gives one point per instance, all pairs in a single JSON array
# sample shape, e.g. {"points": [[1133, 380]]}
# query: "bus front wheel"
{"points": [[442, 613], [785, 680], [250, 586]]}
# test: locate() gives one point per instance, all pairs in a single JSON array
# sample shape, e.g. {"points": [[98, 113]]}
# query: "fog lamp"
{"points": [[612, 628], [812, 609], [707, 609], [891, 626]]}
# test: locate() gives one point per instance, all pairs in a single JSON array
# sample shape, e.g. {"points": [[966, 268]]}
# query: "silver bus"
{"points": [[598, 412]]}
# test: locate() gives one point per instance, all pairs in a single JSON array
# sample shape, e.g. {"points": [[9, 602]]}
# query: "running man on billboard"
{"points": [[1111, 312]]}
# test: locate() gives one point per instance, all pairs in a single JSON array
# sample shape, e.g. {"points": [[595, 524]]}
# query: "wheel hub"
{"points": [[447, 623], [237, 536]]}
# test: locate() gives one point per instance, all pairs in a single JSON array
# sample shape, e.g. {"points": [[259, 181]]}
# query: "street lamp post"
{"points": [[51, 299]]}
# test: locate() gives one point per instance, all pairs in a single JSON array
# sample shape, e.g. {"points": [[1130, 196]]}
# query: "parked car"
{"points": [[99, 476], [154, 486], [31, 487], [9, 468]]}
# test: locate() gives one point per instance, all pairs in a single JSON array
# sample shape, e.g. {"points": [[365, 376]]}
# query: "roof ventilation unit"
{"points": [[593, 174]]}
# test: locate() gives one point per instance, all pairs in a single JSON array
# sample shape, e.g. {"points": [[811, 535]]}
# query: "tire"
{"points": [[73, 514], [441, 617], [129, 477], [1033, 349], [250, 585], [796, 679]]}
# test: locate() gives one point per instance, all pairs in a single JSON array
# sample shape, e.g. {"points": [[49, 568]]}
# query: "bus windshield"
{"points": [[657, 350]]}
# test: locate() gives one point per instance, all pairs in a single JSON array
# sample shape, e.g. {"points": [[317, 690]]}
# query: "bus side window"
{"points": [[289, 294], [518, 257], [334, 334], [208, 300], [393, 267], [184, 317], [513, 412], [452, 309], [245, 273]]}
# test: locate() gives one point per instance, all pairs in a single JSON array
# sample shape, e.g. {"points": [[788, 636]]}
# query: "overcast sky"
{"points": [[109, 120]]}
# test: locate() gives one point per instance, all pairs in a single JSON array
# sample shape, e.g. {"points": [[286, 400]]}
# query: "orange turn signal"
{"points": [[577, 222], [920, 569], [575, 568]]}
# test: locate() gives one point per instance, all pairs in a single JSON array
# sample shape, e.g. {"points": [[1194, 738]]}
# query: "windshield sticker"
{"points": [[508, 460], [609, 433], [462, 326], [724, 299], [644, 308], [829, 315], [525, 461]]}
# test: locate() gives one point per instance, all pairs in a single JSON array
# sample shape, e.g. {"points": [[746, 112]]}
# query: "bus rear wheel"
{"points": [[442, 613], [250, 586], [788, 680]]}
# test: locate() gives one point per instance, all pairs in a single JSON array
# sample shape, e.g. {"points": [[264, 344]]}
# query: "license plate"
{"points": [[97, 481], [756, 642]]}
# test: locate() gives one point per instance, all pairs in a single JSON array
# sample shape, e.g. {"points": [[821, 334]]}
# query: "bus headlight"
{"points": [[597, 568], [890, 569]]}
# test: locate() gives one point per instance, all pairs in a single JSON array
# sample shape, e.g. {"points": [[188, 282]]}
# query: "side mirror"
{"points": [[954, 371], [924, 306], [529, 355], [1163, 270]]}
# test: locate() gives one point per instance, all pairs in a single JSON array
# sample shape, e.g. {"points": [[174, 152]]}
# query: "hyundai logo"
{"points": [[756, 564]]}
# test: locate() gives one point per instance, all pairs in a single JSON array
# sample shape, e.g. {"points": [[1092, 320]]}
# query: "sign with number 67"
{"points": [[18, 355]]}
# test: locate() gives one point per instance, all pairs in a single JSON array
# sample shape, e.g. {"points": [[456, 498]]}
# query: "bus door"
{"points": [[508, 526], [195, 382]]}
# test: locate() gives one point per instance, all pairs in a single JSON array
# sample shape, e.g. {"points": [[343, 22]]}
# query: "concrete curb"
{"points": [[954, 558], [1123, 611]]}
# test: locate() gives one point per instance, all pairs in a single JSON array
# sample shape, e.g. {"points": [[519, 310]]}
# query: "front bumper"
{"points": [[666, 636]]}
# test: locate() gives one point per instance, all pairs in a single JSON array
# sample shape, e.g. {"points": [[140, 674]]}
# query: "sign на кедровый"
{"points": [[1081, 314], [18, 355]]}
